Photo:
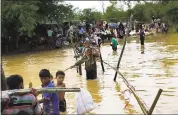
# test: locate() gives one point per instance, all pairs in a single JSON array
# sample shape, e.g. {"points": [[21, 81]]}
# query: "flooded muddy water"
{"points": [[156, 68]]}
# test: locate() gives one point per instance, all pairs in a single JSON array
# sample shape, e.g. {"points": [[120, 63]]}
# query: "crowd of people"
{"points": [[57, 37]]}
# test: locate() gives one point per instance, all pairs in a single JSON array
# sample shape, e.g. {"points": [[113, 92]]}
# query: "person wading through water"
{"points": [[90, 54], [50, 38], [114, 42], [142, 39], [121, 30]]}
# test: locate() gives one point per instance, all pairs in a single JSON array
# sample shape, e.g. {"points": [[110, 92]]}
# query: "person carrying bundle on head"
{"points": [[121, 30]]}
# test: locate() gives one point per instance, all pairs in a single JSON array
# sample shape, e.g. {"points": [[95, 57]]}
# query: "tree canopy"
{"points": [[22, 16]]}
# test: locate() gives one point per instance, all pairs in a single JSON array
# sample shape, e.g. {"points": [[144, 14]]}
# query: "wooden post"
{"points": [[102, 65], [155, 102], [80, 69]]}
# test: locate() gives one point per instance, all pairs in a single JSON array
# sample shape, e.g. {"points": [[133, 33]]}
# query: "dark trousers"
{"points": [[114, 48], [91, 72], [99, 40], [62, 105], [142, 39]]}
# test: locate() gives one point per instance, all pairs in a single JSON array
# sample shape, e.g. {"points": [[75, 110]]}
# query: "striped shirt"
{"points": [[27, 102]]}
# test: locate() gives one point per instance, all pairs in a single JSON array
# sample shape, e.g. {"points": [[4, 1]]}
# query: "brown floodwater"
{"points": [[156, 68]]}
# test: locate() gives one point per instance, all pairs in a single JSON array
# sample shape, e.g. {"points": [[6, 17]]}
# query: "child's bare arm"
{"points": [[43, 100]]}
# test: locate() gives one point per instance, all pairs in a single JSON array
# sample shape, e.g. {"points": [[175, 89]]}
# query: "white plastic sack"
{"points": [[84, 102], [127, 95]]}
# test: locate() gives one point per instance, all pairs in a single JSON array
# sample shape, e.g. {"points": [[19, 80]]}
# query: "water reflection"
{"points": [[114, 53], [128, 107], [94, 87], [137, 40], [142, 49]]}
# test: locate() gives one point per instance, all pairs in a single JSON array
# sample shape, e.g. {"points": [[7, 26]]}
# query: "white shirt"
{"points": [[96, 39], [115, 32]]}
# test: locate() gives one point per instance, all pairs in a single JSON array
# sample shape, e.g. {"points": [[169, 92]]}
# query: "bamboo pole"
{"points": [[73, 47], [120, 59], [140, 102], [155, 102], [41, 90], [75, 56]]}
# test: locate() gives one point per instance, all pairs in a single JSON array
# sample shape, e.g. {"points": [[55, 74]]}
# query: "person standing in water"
{"points": [[60, 75], [142, 39], [90, 64], [50, 38], [121, 30]]}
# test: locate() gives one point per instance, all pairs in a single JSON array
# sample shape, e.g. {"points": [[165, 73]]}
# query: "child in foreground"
{"points": [[50, 100], [60, 75]]}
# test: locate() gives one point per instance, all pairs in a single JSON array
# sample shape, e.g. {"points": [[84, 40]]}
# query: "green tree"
{"points": [[172, 16], [18, 17], [88, 14], [140, 13], [112, 12], [21, 17]]}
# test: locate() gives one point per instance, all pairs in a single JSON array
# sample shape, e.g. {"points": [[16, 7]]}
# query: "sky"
{"points": [[95, 4]]}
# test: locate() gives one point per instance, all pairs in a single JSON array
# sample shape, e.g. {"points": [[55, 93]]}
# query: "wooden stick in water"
{"points": [[155, 102], [80, 69], [140, 102], [102, 65], [120, 59]]}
